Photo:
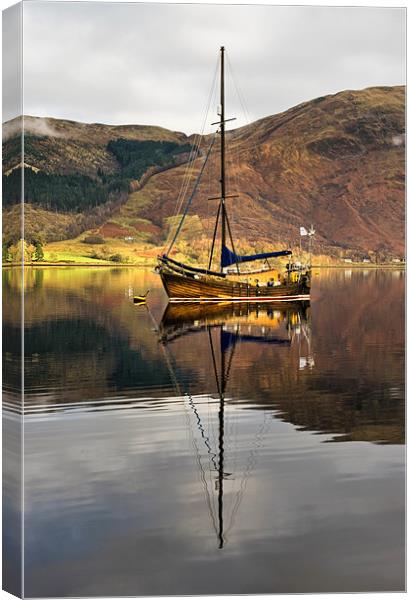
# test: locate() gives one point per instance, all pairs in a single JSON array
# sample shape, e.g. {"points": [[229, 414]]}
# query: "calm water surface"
{"points": [[200, 451]]}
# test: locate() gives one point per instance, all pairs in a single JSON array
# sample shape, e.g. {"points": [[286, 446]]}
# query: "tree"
{"points": [[93, 239], [38, 251], [20, 250], [6, 252], [381, 253], [117, 258]]}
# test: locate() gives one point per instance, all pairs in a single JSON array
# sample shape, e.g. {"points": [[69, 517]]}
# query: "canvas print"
{"points": [[203, 299]]}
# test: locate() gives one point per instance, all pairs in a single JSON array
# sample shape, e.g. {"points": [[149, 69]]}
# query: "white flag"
{"points": [[303, 231]]}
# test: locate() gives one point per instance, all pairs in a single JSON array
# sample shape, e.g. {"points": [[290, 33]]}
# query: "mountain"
{"points": [[337, 162]]}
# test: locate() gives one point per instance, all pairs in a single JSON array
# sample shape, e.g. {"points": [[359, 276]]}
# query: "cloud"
{"points": [[153, 63], [34, 126]]}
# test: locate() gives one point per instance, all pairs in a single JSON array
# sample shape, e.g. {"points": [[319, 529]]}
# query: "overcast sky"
{"points": [[154, 64]]}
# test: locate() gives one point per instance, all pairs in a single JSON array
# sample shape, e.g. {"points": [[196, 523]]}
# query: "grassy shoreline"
{"points": [[111, 265], [151, 264]]}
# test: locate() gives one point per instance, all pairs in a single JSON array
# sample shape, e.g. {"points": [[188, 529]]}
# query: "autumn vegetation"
{"points": [[108, 193]]}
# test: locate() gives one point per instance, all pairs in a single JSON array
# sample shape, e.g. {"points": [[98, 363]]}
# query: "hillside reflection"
{"points": [[336, 367]]}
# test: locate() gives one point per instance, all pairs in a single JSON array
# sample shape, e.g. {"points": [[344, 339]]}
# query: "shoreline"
{"points": [[398, 266], [74, 264]]}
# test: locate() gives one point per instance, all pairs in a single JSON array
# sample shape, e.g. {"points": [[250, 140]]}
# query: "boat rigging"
{"points": [[186, 283]]}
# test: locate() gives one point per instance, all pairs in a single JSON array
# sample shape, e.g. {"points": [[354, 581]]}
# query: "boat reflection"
{"points": [[251, 321], [262, 323], [278, 323]]}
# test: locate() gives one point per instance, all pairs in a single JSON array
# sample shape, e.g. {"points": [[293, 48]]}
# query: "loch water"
{"points": [[174, 450]]}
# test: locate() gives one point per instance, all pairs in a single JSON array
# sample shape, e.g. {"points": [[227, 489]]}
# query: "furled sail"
{"points": [[229, 258]]}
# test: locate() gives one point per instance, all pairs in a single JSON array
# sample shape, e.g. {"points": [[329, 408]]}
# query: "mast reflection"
{"points": [[282, 324]]}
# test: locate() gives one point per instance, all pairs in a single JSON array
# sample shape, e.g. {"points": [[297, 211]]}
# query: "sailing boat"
{"points": [[184, 283], [272, 323]]}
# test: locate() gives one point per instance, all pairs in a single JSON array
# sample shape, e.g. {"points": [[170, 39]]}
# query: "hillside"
{"points": [[60, 147], [336, 162]]}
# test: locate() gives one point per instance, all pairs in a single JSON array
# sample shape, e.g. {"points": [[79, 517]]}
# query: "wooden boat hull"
{"points": [[182, 287]]}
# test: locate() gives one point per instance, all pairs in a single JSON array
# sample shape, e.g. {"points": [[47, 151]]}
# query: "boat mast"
{"points": [[221, 386], [221, 213], [222, 145], [223, 216], [221, 472]]}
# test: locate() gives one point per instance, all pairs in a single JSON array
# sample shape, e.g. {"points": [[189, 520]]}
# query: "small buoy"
{"points": [[140, 299]]}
